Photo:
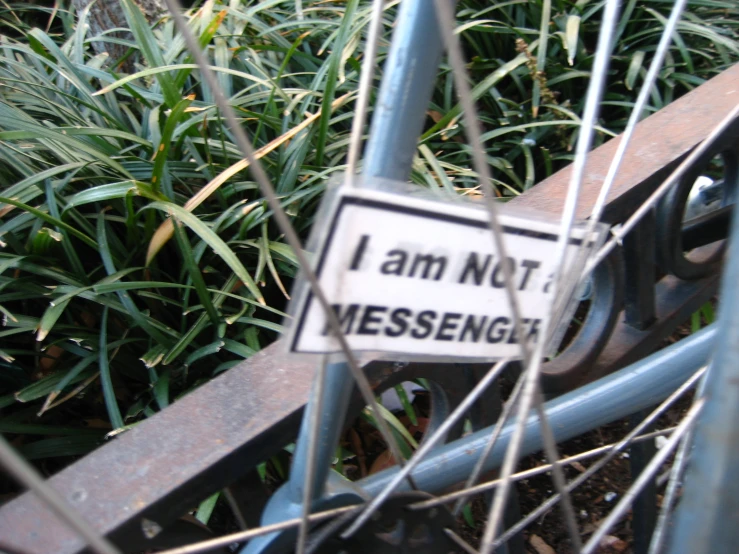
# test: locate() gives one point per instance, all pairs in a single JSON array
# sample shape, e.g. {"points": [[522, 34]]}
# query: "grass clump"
{"points": [[138, 258]]}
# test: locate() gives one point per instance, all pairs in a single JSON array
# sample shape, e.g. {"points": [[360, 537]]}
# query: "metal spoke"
{"points": [[460, 541], [648, 473], [446, 18], [329, 528], [365, 85], [242, 536], [620, 446], [282, 220], [479, 465], [625, 138], [427, 445], [676, 472], [636, 112], [585, 138], [530, 390], [558, 477], [533, 472], [619, 233], [310, 466], [25, 473]]}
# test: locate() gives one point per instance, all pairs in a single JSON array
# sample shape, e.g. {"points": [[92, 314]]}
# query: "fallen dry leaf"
{"points": [[540, 546], [51, 357], [358, 451], [613, 544], [435, 116], [383, 461], [578, 466]]}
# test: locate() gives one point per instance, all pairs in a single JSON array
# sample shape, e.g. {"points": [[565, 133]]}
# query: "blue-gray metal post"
{"points": [[409, 75], [706, 519]]}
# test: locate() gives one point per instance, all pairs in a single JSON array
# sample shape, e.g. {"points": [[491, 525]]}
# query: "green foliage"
{"points": [[138, 258], [704, 316], [530, 103]]}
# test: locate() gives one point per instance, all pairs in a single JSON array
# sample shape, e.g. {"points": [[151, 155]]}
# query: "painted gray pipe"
{"points": [[409, 76], [636, 387], [410, 73]]}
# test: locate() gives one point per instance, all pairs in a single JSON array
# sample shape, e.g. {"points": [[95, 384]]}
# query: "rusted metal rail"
{"points": [[216, 434]]}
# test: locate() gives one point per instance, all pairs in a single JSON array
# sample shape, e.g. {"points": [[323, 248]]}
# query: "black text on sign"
{"points": [[422, 278]]}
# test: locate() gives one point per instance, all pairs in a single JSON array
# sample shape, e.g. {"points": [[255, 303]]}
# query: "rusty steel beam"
{"points": [[158, 470], [214, 435]]}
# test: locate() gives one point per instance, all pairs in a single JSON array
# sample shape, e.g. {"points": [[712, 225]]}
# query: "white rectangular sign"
{"points": [[422, 278]]}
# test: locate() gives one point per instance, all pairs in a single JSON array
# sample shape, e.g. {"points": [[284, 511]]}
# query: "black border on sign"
{"points": [[383, 205]]}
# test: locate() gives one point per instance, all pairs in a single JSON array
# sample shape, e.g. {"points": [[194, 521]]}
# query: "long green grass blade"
{"points": [[111, 404], [195, 274], [162, 151], [49, 219], [212, 240], [151, 51], [332, 77]]}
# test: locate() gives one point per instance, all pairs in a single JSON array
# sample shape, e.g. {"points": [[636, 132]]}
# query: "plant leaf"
{"points": [[212, 240]]}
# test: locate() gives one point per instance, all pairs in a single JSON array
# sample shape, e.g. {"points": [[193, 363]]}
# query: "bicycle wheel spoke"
{"points": [[460, 541], [530, 390], [585, 138], [533, 472], [446, 18], [365, 85], [636, 112], [624, 140], [618, 447], [427, 445], [25, 474], [242, 536], [676, 473], [619, 234], [282, 220], [583, 256], [644, 478], [558, 477], [313, 433], [477, 470], [327, 530]]}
